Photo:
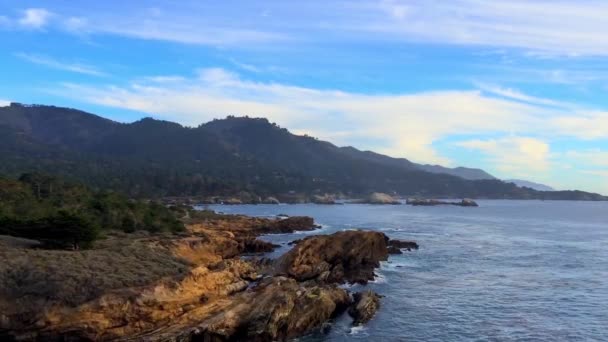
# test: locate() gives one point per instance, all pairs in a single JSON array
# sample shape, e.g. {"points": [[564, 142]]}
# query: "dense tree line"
{"points": [[63, 214]]}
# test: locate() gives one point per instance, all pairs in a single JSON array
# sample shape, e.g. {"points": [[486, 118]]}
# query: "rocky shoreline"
{"points": [[207, 293]]}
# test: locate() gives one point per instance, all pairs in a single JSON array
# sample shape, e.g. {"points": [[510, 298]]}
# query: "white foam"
{"points": [[357, 330], [379, 279]]}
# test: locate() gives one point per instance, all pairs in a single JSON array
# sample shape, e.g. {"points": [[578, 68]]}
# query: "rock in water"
{"points": [[403, 244], [291, 224], [365, 306], [468, 203], [348, 256]]}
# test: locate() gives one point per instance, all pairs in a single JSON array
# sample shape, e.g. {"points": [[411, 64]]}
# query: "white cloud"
{"points": [[35, 18], [400, 125], [590, 157], [4, 103], [514, 155], [59, 65], [584, 125], [544, 26]]}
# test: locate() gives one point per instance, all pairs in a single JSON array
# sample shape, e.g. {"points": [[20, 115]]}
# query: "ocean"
{"points": [[505, 271]]}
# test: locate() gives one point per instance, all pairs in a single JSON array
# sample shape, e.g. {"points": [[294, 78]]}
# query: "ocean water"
{"points": [[506, 271]]}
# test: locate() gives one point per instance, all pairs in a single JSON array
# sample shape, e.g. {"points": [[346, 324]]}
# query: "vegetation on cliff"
{"points": [[63, 214]]}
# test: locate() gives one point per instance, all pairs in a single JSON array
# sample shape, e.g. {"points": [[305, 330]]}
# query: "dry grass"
{"points": [[74, 277]]}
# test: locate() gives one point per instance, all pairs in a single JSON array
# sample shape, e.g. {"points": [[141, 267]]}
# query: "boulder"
{"points": [[365, 306], [348, 256]]}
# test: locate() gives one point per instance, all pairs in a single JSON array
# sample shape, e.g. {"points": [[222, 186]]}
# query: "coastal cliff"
{"points": [[189, 286]]}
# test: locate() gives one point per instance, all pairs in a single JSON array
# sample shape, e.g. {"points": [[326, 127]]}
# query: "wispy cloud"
{"points": [[532, 25], [408, 124], [60, 65], [35, 18]]}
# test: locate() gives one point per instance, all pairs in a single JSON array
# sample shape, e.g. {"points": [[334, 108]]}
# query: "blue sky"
{"points": [[518, 88]]}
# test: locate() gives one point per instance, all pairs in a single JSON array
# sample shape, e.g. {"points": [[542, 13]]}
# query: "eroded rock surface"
{"points": [[193, 287], [365, 306], [348, 256]]}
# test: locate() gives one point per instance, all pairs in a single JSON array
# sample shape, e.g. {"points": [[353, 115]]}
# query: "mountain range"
{"points": [[152, 158]]}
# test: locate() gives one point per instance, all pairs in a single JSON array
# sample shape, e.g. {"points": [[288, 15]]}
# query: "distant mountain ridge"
{"points": [[463, 172], [531, 185], [238, 154]]}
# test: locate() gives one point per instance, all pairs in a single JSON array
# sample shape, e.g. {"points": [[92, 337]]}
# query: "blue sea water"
{"points": [[506, 271]]}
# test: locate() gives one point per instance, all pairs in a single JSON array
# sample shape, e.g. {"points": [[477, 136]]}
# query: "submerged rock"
{"points": [[365, 306]]}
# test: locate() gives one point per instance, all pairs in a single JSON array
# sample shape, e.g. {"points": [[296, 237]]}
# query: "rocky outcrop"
{"points": [[431, 202], [249, 245], [325, 199], [348, 256], [381, 198], [276, 310], [365, 306], [290, 224], [192, 287]]}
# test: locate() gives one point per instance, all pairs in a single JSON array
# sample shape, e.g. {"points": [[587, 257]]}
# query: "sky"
{"points": [[518, 88]]}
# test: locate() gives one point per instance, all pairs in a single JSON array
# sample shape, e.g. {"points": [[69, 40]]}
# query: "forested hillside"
{"points": [[153, 158]]}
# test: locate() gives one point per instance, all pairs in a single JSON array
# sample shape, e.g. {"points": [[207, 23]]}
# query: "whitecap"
{"points": [[356, 330]]}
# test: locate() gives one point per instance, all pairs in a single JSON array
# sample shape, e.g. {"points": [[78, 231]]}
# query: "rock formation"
{"points": [[348, 256], [380, 198], [365, 306], [190, 287]]}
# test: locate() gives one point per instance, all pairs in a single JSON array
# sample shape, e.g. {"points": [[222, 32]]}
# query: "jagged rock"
{"points": [[365, 306], [277, 310], [350, 256]]}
